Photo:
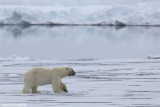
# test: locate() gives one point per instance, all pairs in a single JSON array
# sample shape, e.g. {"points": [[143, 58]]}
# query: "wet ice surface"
{"points": [[78, 42], [97, 83]]}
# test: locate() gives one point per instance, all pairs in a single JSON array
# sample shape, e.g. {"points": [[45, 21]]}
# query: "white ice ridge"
{"points": [[138, 14], [15, 58]]}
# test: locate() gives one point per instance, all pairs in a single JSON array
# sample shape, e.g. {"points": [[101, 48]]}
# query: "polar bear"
{"points": [[41, 76]]}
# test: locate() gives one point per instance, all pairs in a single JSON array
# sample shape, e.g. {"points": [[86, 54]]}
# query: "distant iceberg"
{"points": [[138, 14], [153, 57]]}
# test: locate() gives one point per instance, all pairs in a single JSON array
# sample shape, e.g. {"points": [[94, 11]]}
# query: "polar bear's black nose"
{"points": [[73, 73]]}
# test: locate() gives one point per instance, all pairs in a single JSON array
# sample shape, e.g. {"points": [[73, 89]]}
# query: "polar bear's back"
{"points": [[38, 76]]}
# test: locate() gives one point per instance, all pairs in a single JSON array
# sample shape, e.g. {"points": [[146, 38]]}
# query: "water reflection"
{"points": [[77, 42]]}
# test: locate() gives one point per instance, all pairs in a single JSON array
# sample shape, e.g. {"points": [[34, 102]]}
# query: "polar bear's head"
{"points": [[70, 71], [65, 71]]}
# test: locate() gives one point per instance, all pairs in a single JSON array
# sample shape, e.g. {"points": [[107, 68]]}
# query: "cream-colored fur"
{"points": [[42, 76]]}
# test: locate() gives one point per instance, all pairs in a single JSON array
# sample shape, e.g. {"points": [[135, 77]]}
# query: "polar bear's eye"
{"points": [[67, 68]]}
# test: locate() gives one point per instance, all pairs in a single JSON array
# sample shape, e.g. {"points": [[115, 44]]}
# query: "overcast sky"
{"points": [[71, 2]]}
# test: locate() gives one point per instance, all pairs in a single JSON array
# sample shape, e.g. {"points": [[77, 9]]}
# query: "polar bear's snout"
{"points": [[73, 73]]}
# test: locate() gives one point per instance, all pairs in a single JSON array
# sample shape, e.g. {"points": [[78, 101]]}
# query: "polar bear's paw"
{"points": [[65, 90], [36, 92]]}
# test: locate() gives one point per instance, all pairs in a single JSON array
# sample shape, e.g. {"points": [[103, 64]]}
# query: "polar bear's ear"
{"points": [[67, 68]]}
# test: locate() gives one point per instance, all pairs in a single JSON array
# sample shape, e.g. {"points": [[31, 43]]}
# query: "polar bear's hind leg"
{"points": [[26, 89], [34, 89]]}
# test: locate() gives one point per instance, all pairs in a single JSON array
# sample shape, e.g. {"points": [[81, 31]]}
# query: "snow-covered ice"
{"points": [[14, 57], [12, 75], [137, 14], [98, 83]]}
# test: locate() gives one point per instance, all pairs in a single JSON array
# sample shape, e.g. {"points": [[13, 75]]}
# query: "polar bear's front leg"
{"points": [[56, 85], [63, 87]]}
